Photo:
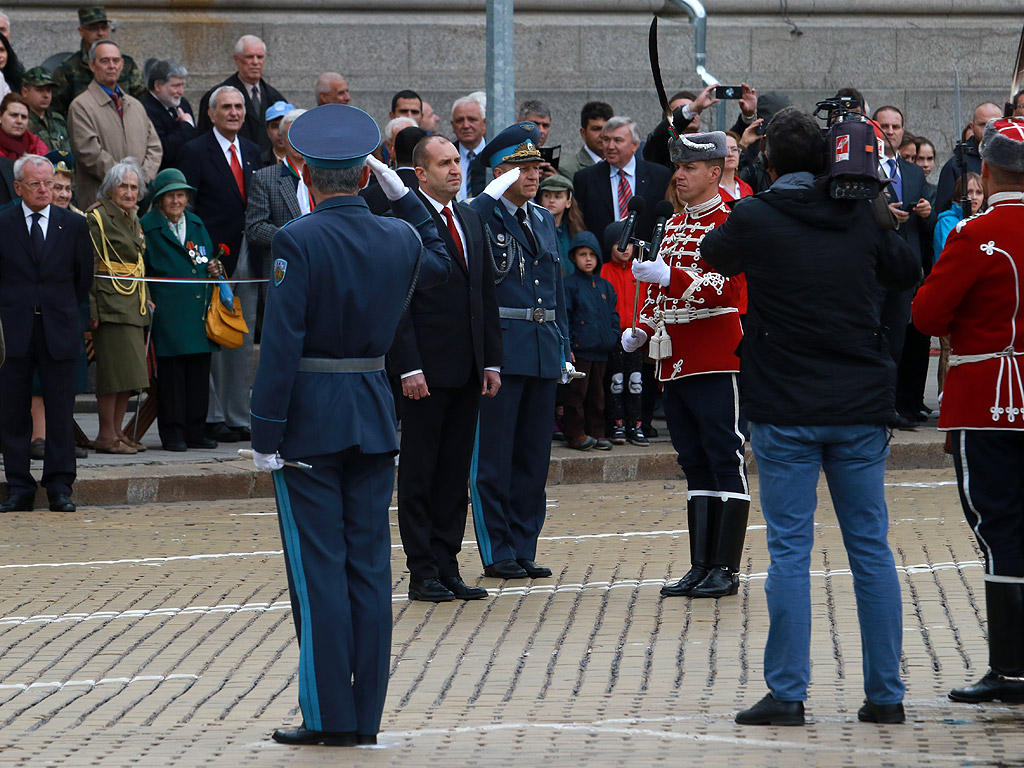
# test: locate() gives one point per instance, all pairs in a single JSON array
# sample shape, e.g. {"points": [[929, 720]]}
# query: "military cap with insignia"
{"points": [[62, 160], [38, 77], [515, 144], [690, 147], [334, 136], [1002, 144], [92, 14]]}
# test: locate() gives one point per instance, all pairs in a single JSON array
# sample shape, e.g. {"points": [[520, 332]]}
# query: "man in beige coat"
{"points": [[107, 125]]}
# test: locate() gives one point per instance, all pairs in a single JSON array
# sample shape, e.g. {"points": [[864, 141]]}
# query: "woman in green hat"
{"points": [[178, 246]]}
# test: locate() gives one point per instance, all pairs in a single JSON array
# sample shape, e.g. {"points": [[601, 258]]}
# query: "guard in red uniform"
{"points": [[693, 322], [974, 294]]}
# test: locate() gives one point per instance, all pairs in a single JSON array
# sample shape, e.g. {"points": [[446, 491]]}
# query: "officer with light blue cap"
{"points": [[341, 279]]}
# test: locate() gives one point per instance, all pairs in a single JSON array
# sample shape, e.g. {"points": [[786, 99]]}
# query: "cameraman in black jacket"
{"points": [[816, 384]]}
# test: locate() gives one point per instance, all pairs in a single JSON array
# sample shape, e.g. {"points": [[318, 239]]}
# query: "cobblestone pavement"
{"points": [[160, 635]]}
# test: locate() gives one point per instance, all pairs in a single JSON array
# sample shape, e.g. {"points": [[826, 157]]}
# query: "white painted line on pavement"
{"points": [[94, 683]]}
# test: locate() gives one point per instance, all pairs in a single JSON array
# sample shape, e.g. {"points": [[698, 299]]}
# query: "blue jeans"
{"points": [[788, 462]]}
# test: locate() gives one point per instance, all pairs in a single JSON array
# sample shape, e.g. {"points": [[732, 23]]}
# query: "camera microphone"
{"points": [[635, 207], [663, 211]]}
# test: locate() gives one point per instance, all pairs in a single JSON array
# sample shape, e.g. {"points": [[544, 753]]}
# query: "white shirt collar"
{"points": [[224, 144], [593, 155], [464, 150], [629, 168], [437, 205], [45, 213]]}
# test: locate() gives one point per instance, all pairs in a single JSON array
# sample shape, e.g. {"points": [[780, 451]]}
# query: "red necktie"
{"points": [[117, 103], [447, 213], [236, 170], [624, 194]]}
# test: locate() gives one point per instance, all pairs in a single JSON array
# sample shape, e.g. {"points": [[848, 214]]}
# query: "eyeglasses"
{"points": [[34, 185]]}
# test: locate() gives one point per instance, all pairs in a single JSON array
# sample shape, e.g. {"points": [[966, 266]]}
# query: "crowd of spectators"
{"points": [[235, 180]]}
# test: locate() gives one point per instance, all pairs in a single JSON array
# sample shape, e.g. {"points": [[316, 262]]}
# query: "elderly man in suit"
{"points": [[169, 110], [250, 55], [45, 273], [220, 164], [604, 189], [469, 124], [277, 194], [448, 352], [107, 125]]}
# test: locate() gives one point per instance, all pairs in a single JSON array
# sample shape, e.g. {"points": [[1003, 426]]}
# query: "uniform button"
{"points": [[536, 282], [193, 271], [198, 296], [535, 263], [540, 301]]}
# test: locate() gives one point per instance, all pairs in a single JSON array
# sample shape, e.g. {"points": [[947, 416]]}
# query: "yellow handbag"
{"points": [[223, 326]]}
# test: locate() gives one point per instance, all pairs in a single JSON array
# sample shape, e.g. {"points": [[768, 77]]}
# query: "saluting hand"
{"points": [[392, 184], [500, 185]]}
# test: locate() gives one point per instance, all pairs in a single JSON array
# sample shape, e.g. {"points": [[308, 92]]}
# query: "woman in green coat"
{"points": [[178, 246]]}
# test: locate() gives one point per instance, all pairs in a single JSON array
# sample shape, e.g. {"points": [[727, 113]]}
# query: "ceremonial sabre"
{"points": [[246, 453]]}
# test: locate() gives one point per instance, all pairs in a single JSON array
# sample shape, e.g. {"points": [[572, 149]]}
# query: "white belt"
{"points": [[955, 360], [675, 316]]}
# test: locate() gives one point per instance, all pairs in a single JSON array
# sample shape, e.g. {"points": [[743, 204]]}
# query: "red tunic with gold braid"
{"points": [[975, 294], [694, 323]]}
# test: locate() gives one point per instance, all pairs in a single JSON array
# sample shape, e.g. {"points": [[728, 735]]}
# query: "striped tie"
{"points": [[624, 194]]}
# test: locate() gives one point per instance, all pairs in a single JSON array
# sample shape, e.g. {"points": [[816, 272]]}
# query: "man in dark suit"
{"points": [[405, 140], [169, 110], [448, 351], [603, 190], [469, 124], [250, 55], [322, 397], [909, 347], [220, 164], [45, 273]]}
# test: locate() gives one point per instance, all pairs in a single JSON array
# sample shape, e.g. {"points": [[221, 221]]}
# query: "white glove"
{"points": [[392, 184], [500, 185], [568, 370], [656, 271], [267, 462], [632, 343]]}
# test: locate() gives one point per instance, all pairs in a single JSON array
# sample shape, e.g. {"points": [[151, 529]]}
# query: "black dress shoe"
{"points": [[61, 502], [720, 582], [221, 432], [769, 711], [302, 735], [37, 449], [176, 446], [201, 442], [504, 569], [19, 502], [533, 570], [429, 591], [906, 423], [366, 739], [881, 713], [992, 687], [243, 433], [462, 590], [685, 585]]}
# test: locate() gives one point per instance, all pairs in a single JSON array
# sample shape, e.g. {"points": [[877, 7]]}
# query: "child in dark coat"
{"points": [[593, 333]]}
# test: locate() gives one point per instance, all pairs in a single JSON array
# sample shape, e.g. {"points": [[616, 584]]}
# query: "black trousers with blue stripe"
{"points": [[337, 546], [510, 468]]}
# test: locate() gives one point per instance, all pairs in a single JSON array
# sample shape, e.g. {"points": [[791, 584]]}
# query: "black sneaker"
{"points": [[636, 436], [618, 435]]}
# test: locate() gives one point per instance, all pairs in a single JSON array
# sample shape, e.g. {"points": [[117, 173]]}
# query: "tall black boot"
{"points": [[1004, 604], [726, 550], [700, 512]]}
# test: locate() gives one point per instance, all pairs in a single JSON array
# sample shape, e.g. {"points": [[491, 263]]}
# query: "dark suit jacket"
{"points": [[594, 194], [451, 331], [58, 284], [378, 201], [7, 192], [172, 133], [916, 231], [217, 200], [479, 175], [255, 127]]}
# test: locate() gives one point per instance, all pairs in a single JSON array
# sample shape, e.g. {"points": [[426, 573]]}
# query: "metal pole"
{"points": [[501, 69]]}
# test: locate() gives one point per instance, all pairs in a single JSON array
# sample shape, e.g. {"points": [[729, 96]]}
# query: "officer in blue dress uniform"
{"points": [[340, 277], [513, 443]]}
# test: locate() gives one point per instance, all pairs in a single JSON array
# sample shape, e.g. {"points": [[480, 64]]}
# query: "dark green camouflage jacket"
{"points": [[52, 129]]}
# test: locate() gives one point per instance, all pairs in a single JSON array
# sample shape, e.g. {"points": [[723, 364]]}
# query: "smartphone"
{"points": [[909, 206], [728, 91], [551, 155]]}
